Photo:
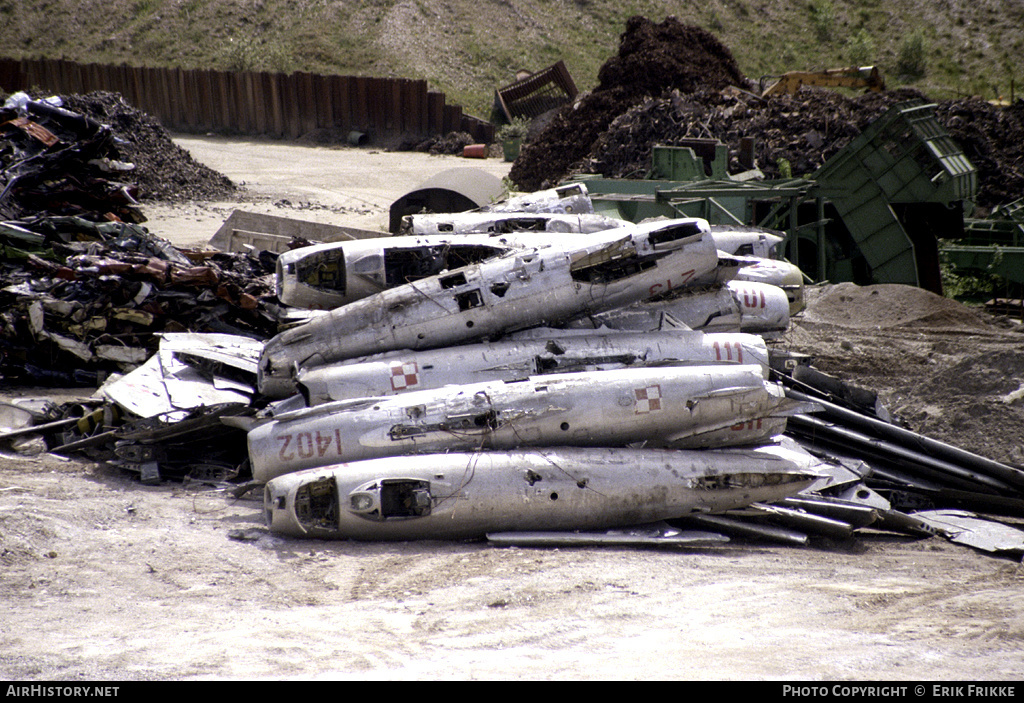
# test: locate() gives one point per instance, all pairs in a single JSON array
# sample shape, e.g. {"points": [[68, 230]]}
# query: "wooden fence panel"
{"points": [[259, 103], [274, 101], [361, 113], [10, 75], [452, 118], [394, 119], [292, 109], [340, 97], [236, 97], [322, 105], [204, 109], [190, 104], [118, 81], [306, 102], [134, 79], [221, 90], [69, 78], [249, 100], [158, 97], [382, 104], [48, 75], [373, 111], [418, 107], [435, 112]]}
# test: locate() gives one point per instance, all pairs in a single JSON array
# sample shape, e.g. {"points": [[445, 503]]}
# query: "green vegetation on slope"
{"points": [[946, 48]]}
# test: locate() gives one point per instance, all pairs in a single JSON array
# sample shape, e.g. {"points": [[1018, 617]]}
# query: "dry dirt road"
{"points": [[106, 579]]}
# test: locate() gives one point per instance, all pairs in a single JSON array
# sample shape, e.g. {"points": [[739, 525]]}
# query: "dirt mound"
{"points": [[943, 369], [887, 306], [163, 170], [652, 58], [1000, 375]]}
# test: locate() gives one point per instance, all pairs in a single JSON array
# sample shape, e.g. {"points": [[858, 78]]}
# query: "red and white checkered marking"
{"points": [[648, 400], [404, 375]]}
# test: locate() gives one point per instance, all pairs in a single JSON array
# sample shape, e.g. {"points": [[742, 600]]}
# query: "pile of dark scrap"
{"points": [[163, 170], [92, 157], [57, 162], [452, 144], [85, 287], [87, 293], [652, 57], [805, 130], [671, 82], [927, 485], [82, 300]]}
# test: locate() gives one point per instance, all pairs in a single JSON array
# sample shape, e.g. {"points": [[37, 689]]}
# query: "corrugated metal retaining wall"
{"points": [[276, 104]]}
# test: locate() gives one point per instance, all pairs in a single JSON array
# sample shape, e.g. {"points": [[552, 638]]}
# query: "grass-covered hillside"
{"points": [[468, 48]]}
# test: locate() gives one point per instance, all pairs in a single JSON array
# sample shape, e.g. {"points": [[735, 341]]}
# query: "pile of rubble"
{"points": [[803, 130], [992, 138], [652, 57], [163, 170], [667, 85], [451, 144]]}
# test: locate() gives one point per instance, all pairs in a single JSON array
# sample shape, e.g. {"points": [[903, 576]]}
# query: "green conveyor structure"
{"points": [[873, 213]]}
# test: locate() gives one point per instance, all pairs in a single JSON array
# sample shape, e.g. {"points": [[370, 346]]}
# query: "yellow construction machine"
{"points": [[867, 77]]}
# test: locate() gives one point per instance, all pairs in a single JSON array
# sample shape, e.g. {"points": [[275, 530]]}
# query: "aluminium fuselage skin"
{"points": [[467, 495]]}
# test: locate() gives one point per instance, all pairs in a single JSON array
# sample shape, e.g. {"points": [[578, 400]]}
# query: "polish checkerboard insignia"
{"points": [[648, 399], [404, 375]]}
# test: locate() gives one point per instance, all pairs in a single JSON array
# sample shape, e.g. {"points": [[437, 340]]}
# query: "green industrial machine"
{"points": [[873, 213], [992, 245]]}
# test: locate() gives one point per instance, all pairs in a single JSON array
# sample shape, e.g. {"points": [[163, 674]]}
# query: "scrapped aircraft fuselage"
{"points": [[546, 352], [496, 223], [467, 495], [520, 289], [674, 407]]}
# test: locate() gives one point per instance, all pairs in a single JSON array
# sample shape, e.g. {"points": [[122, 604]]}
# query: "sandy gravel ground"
{"points": [[346, 186], [106, 579]]}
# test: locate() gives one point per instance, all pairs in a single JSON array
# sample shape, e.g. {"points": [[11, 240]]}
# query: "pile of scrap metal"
{"points": [[532, 374], [57, 162], [82, 300], [936, 483]]}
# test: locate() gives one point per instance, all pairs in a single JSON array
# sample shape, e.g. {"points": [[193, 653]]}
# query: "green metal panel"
{"points": [[679, 164], [682, 163]]}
